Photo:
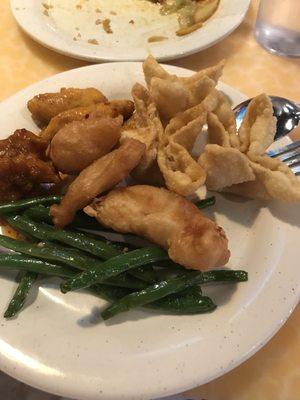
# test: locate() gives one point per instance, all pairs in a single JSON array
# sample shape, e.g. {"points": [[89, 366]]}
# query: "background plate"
{"points": [[60, 345], [69, 19]]}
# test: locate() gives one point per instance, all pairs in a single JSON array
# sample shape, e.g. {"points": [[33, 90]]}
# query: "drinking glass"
{"points": [[278, 27]]}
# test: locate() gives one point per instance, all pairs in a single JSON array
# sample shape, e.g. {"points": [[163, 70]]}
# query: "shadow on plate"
{"points": [[94, 318], [245, 211], [220, 293], [285, 212]]}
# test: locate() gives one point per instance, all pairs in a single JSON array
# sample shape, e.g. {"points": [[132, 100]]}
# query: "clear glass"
{"points": [[278, 26]]}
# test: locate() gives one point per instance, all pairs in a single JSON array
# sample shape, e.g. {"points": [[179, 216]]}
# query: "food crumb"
{"points": [[78, 6], [45, 12], [98, 10], [93, 41], [106, 25], [113, 13], [47, 6], [79, 35], [98, 21], [77, 29], [153, 39], [131, 21], [74, 38]]}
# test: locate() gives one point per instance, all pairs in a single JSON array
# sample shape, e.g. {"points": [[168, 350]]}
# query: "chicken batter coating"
{"points": [[24, 167], [111, 109], [165, 218], [45, 106], [100, 176], [80, 143]]}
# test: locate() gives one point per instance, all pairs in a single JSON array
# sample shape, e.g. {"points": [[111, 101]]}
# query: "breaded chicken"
{"points": [[79, 143], [167, 219], [111, 109], [45, 106], [100, 176]]}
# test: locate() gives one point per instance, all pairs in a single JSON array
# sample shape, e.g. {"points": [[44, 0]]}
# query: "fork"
{"points": [[290, 155]]}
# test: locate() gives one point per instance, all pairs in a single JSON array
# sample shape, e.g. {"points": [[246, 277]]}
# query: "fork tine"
{"points": [[282, 150], [292, 161], [289, 155], [296, 169]]}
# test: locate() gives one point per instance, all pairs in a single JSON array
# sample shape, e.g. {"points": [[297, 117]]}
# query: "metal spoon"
{"points": [[286, 111]]}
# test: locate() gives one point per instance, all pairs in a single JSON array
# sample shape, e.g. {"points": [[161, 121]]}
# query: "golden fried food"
{"points": [[111, 109], [173, 94], [236, 161], [273, 180], [152, 69], [147, 128], [181, 172], [100, 176], [225, 166], [258, 127], [167, 219], [23, 167], [45, 106], [79, 143]]}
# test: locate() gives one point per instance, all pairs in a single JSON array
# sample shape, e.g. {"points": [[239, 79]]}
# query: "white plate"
{"points": [[59, 344], [128, 42]]}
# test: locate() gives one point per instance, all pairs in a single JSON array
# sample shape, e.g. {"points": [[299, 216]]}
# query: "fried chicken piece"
{"points": [[24, 167], [100, 176], [111, 109], [79, 143], [45, 106], [167, 219]]}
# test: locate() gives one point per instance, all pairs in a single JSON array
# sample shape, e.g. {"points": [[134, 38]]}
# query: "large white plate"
{"points": [[128, 42], [60, 345]]}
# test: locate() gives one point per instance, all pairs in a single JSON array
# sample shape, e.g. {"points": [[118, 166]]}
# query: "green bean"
{"points": [[184, 303], [114, 267], [23, 289], [154, 293], [210, 201], [146, 274], [72, 257], [20, 205], [41, 213], [188, 304], [49, 252], [81, 222], [25, 263], [20, 262], [78, 240], [216, 275], [224, 275]]}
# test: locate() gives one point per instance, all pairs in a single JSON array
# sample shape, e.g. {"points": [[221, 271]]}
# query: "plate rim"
{"points": [[60, 49], [34, 379]]}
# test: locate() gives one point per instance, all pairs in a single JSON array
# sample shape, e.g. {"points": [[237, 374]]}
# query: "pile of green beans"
{"points": [[127, 277]]}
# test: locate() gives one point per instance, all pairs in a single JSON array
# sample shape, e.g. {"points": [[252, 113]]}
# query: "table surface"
{"points": [[274, 372]]}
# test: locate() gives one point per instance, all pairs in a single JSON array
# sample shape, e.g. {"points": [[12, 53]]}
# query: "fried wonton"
{"points": [[181, 172], [172, 94], [183, 104], [225, 166], [236, 161], [258, 128], [146, 128]]}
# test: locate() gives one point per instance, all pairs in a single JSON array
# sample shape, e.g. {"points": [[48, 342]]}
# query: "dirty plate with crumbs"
{"points": [[119, 30]]}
